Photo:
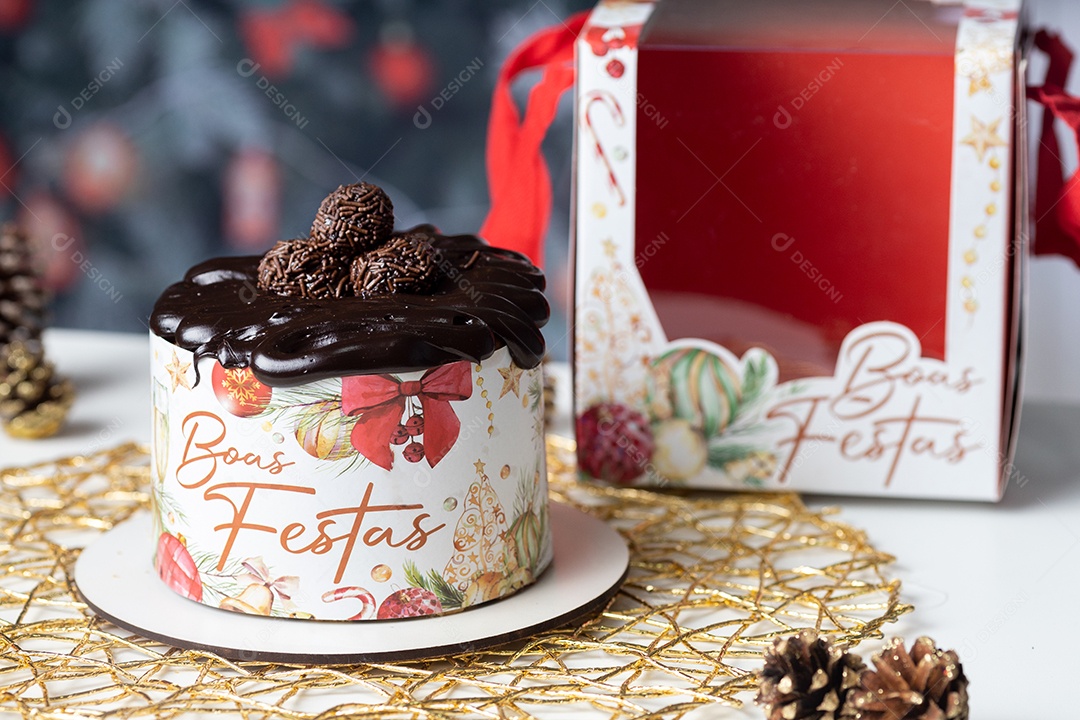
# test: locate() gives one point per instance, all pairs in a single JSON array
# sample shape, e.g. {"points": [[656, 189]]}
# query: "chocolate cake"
{"points": [[350, 427]]}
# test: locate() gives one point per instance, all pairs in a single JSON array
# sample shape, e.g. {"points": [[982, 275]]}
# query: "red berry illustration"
{"points": [[409, 602], [615, 69], [415, 425], [413, 452], [239, 391], [614, 443], [400, 436]]}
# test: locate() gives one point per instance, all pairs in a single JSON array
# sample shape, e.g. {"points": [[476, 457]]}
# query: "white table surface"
{"points": [[996, 582]]}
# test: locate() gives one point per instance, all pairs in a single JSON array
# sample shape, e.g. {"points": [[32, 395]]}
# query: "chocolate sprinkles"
{"points": [[354, 219], [406, 264], [303, 268]]}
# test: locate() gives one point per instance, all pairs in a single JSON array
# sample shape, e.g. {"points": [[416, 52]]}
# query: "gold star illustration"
{"points": [[178, 373], [983, 136], [479, 465], [979, 82], [511, 380], [609, 247]]}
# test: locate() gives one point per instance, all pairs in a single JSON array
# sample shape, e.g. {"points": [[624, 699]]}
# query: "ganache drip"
{"points": [[484, 298]]}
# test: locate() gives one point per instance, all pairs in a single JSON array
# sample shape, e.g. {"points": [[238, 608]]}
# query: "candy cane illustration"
{"points": [[349, 592], [608, 101]]}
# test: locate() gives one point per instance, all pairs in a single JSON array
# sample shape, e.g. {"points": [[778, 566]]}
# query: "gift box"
{"points": [[800, 234]]}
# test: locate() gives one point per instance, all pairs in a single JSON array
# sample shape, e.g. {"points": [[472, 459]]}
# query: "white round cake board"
{"points": [[116, 578]]}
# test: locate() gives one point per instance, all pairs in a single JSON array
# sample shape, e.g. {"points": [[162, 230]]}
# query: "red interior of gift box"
{"points": [[794, 172]]}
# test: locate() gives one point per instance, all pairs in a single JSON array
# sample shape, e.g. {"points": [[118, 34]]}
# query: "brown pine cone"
{"points": [[926, 684], [806, 677], [22, 299], [304, 268], [406, 264], [33, 401], [354, 219]]}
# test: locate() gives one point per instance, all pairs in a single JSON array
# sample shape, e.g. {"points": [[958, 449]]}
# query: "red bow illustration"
{"points": [[380, 401]]}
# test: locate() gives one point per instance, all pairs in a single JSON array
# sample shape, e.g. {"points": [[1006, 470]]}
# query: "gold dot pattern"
{"points": [[971, 257], [713, 579], [484, 394]]}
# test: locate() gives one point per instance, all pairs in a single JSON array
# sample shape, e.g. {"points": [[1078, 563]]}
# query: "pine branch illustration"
{"points": [[720, 455], [449, 596], [523, 497], [413, 576], [757, 370], [536, 393]]}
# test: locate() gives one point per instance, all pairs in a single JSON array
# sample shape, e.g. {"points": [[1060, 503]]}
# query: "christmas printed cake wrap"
{"points": [[363, 497], [792, 281], [351, 426]]}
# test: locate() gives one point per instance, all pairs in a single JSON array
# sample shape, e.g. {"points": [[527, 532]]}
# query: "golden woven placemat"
{"points": [[713, 579]]}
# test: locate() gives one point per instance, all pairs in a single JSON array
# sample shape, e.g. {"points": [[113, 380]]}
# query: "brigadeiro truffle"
{"points": [[304, 268], [354, 219], [406, 264]]}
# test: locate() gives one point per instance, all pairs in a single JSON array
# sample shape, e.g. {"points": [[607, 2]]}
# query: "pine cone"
{"points": [[926, 684], [33, 401], [22, 300], [806, 677]]}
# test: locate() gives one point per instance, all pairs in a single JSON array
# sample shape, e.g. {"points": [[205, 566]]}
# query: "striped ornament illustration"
{"points": [[697, 386]]}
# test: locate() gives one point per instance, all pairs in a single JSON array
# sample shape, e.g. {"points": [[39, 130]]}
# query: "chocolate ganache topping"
{"points": [[475, 299]]}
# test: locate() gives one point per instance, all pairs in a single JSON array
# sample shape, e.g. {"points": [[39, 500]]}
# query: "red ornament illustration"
{"points": [[602, 39], [615, 443], [239, 391], [410, 602], [382, 400], [615, 68], [176, 567]]}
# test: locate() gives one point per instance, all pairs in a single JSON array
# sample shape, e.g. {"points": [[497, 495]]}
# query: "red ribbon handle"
{"points": [[1057, 201], [518, 178], [380, 402]]}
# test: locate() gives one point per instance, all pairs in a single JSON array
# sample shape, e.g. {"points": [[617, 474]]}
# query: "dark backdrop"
{"points": [[138, 137]]}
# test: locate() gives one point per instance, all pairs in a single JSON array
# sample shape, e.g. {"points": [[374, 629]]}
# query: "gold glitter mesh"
{"points": [[713, 579]]}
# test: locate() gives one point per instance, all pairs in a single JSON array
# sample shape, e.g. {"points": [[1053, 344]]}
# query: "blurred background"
{"points": [[138, 137]]}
